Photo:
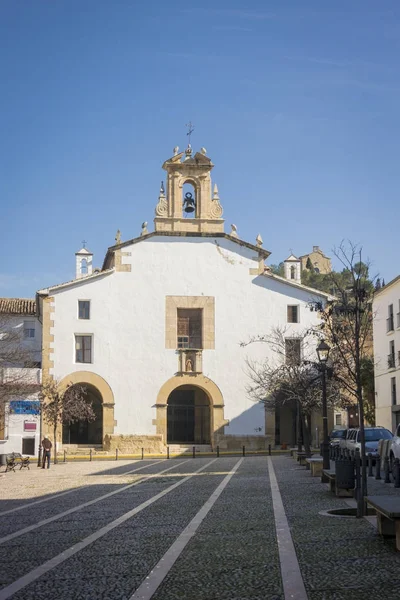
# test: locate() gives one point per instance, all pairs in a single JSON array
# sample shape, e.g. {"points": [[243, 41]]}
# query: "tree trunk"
{"points": [[306, 434], [299, 429], [55, 444]]}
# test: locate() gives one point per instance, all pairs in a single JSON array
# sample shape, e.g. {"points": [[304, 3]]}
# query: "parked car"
{"points": [[372, 437], [336, 435], [395, 447], [343, 442]]}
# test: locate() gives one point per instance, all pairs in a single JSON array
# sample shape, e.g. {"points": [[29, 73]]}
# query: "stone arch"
{"points": [[195, 184], [105, 391], [212, 391]]}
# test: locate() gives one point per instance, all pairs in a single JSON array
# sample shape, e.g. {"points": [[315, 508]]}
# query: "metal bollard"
{"points": [[217, 451], [116, 453], [378, 468], [396, 473], [357, 464], [269, 449], [370, 473], [65, 456], [244, 451], [386, 469], [142, 453], [194, 451], [167, 451], [90, 453]]}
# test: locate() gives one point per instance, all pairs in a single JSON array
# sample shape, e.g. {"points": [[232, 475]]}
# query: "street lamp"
{"points": [[323, 355]]}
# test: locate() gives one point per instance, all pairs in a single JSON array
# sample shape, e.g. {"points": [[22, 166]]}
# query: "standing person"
{"points": [[47, 446]]}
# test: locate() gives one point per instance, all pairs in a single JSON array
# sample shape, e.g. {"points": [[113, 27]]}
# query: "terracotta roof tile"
{"points": [[18, 306]]}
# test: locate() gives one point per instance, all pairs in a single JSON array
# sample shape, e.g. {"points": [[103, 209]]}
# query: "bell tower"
{"points": [[200, 211]]}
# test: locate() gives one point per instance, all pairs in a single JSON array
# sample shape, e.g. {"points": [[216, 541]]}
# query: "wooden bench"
{"points": [[16, 459], [315, 466], [388, 515]]}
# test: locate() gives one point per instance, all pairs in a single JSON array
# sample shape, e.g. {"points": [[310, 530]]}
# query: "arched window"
{"points": [[84, 266], [292, 272]]}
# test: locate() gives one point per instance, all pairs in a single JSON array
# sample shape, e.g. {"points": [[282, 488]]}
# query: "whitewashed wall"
{"points": [[385, 416], [128, 324]]}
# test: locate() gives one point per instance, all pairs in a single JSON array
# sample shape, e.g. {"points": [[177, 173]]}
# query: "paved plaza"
{"points": [[197, 529]]}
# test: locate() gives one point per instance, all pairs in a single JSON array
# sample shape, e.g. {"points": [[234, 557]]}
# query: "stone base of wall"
{"points": [[133, 444], [236, 442]]}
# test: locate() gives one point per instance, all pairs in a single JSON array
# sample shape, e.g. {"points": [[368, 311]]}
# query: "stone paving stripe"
{"points": [[148, 465], [146, 590], [29, 528], [52, 497], [27, 579], [293, 584], [59, 494]]}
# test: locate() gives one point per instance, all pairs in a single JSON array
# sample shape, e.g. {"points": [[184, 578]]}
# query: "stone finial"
{"points": [[162, 190], [188, 152], [259, 241], [215, 192], [144, 229], [118, 237], [233, 233], [203, 151], [176, 150]]}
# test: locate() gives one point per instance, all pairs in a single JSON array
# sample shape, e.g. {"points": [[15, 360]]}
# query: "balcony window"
{"points": [[393, 390], [189, 328], [83, 348], [390, 319], [292, 351], [391, 356]]}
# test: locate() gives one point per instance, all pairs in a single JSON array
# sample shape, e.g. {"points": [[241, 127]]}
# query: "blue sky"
{"points": [[296, 102]]}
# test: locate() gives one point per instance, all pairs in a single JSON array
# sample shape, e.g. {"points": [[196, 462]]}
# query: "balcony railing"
{"points": [[391, 361], [390, 324]]}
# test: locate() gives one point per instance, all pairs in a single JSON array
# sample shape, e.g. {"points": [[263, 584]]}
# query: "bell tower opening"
{"points": [[189, 201]]}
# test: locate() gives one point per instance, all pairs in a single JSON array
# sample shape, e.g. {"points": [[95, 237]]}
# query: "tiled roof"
{"points": [[17, 306]]}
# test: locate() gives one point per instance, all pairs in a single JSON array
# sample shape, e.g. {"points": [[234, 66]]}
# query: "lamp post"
{"points": [[323, 355]]}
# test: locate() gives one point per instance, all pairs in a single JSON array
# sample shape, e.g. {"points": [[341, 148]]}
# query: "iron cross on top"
{"points": [[190, 129]]}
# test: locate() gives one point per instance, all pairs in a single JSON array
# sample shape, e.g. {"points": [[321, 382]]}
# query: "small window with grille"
{"points": [[293, 314], [189, 328]]}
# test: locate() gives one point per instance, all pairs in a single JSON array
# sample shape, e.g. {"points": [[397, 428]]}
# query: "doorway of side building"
{"points": [[85, 432], [188, 416]]}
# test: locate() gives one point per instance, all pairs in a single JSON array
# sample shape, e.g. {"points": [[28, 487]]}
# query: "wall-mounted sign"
{"points": [[24, 407], [29, 426]]}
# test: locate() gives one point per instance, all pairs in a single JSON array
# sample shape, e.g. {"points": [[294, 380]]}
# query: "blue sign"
{"points": [[24, 407]]}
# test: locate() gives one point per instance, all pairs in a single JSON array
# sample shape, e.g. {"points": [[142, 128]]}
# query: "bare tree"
{"points": [[290, 376], [347, 326], [16, 362], [64, 404]]}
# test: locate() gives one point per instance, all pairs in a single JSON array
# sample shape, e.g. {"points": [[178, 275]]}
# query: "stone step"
{"points": [[183, 448]]}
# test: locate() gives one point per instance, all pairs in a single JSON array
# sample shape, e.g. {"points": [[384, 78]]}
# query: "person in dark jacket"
{"points": [[47, 446]]}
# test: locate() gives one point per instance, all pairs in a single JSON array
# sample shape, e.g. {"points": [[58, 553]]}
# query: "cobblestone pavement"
{"points": [[109, 546], [340, 558]]}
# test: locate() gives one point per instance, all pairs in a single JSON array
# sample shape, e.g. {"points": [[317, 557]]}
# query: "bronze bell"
{"points": [[189, 205]]}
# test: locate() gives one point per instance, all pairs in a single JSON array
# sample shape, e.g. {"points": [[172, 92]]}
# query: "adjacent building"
{"points": [[20, 376], [156, 334], [319, 262], [386, 310]]}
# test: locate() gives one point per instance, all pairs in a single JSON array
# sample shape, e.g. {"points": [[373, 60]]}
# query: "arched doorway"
{"points": [[188, 416], [85, 432]]}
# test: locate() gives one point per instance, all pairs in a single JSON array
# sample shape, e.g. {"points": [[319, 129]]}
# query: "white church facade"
{"points": [[156, 334]]}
